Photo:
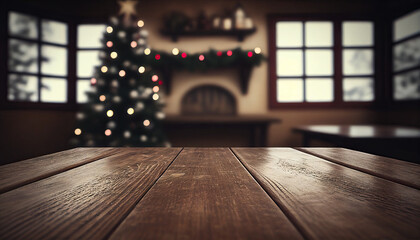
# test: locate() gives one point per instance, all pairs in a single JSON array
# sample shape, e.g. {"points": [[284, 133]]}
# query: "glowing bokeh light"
{"points": [[104, 69], [102, 98], [175, 51], [155, 96], [257, 50], [155, 78], [108, 132], [130, 111], [142, 69], [249, 54], [114, 55], [183, 55], [77, 131], [110, 113], [93, 81], [133, 44], [219, 53], [140, 23], [121, 73], [109, 44], [201, 58], [109, 29], [229, 53], [147, 51], [157, 56], [155, 89], [146, 123]]}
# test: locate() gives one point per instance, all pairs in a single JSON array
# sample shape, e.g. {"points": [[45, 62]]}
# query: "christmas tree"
{"points": [[124, 109]]}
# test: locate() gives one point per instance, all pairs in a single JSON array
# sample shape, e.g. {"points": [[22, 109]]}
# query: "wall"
{"points": [[256, 101], [26, 134]]}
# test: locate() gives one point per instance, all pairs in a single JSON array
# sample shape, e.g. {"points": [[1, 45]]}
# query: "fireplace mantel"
{"points": [[199, 130]]}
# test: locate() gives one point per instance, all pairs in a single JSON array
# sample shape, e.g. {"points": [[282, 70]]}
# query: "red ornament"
{"points": [[160, 82], [249, 54], [157, 56], [183, 55], [201, 58], [229, 53], [219, 53]]}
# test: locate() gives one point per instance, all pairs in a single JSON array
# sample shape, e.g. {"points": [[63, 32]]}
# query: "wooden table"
{"points": [[392, 141], [210, 193]]}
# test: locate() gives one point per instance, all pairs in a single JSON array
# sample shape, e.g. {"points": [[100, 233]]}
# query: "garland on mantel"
{"points": [[203, 61]]}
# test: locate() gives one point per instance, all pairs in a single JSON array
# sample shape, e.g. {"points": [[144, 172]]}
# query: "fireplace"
{"points": [[209, 118]]}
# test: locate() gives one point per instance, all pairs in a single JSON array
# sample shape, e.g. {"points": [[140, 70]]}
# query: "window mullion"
{"points": [[338, 62], [39, 57]]}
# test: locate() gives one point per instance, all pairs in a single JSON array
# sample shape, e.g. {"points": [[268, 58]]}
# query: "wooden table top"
{"points": [[210, 193], [362, 131]]}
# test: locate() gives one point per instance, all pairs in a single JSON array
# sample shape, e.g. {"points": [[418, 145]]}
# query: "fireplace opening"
{"points": [[208, 100]]}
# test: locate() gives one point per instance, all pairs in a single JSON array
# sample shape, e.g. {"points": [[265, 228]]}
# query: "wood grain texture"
{"points": [[405, 173], [86, 202], [329, 201], [206, 194], [15, 175]]}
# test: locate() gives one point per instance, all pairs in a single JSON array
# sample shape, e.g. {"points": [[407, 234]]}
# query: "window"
{"points": [[321, 62], [89, 48], [37, 59], [406, 57]]}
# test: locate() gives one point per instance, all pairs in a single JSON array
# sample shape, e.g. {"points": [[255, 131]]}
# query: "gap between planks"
{"points": [[107, 236], [360, 169], [17, 185], [289, 216]]}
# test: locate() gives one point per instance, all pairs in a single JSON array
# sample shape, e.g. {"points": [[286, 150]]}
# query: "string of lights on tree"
{"points": [[124, 108]]}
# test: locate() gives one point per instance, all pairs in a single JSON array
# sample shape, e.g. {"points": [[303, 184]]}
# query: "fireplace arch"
{"points": [[208, 100]]}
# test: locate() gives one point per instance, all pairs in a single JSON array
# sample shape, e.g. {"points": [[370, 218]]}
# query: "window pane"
{"points": [[53, 90], [83, 86], [407, 54], [23, 25], [289, 34], [407, 25], [289, 90], [357, 34], [54, 60], [358, 89], [318, 34], [289, 63], [319, 90], [90, 35], [358, 62], [23, 56], [86, 63], [407, 86], [22, 88], [53, 31], [319, 62]]}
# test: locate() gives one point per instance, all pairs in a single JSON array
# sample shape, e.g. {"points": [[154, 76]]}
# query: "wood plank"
{"points": [[15, 175], [86, 202], [329, 201], [206, 194], [402, 172]]}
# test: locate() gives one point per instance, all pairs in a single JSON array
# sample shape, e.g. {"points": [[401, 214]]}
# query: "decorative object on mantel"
{"points": [[165, 63], [232, 23]]}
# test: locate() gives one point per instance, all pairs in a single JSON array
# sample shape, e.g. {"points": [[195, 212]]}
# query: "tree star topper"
{"points": [[127, 8]]}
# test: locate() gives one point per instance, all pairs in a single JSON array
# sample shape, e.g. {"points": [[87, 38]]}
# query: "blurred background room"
{"points": [[251, 73]]}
